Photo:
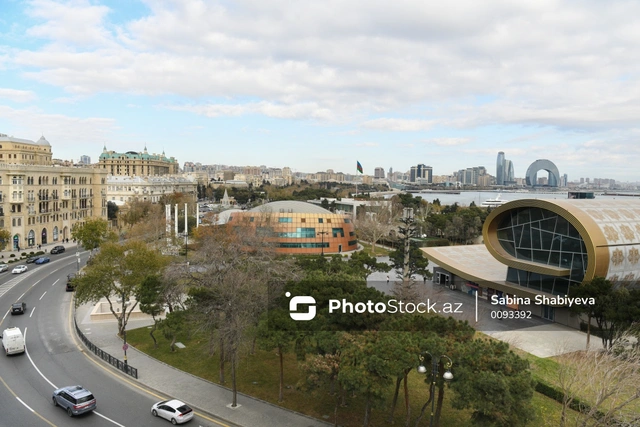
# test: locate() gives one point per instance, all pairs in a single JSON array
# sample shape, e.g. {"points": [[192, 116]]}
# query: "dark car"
{"points": [[57, 250], [32, 259], [18, 307], [75, 399], [70, 286], [42, 260]]}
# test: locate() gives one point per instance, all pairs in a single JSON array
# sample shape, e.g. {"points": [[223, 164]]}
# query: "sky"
{"points": [[317, 85]]}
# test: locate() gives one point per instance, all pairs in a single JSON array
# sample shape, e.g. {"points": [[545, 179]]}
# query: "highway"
{"points": [[56, 358]]}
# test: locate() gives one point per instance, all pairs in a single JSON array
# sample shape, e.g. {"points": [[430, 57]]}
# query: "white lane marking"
{"points": [[53, 284], [53, 385], [5, 315], [32, 310], [25, 405], [20, 297], [42, 296]]}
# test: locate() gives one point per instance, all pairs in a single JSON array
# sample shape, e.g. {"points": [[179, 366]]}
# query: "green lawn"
{"points": [[379, 250], [258, 376]]}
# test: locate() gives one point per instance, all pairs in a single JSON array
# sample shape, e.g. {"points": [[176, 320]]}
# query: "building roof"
{"points": [[290, 206]]}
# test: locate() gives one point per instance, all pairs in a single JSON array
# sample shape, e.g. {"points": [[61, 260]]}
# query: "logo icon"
{"points": [[301, 300]]}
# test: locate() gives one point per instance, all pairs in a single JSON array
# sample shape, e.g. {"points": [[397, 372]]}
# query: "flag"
{"points": [[359, 167]]}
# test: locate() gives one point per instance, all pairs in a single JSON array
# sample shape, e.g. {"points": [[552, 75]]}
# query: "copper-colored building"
{"points": [[300, 228]]}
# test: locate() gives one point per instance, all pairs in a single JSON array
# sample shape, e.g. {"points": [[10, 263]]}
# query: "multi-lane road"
{"points": [[56, 358]]}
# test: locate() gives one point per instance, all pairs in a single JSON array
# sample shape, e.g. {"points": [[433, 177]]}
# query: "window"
{"points": [[320, 220], [285, 219], [337, 231]]}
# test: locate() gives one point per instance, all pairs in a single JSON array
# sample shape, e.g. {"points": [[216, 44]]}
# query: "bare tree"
{"points": [[233, 269], [604, 388], [377, 221]]}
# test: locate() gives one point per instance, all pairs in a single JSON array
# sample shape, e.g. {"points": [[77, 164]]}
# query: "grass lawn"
{"points": [[258, 376], [379, 250]]}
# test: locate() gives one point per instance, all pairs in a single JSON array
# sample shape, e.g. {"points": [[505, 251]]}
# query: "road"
{"points": [[55, 358]]}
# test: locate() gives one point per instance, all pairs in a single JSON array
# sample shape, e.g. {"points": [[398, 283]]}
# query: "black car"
{"points": [[18, 307], [70, 286], [32, 259], [57, 250]]}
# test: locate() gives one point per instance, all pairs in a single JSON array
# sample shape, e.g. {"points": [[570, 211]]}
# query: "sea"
{"points": [[464, 198]]}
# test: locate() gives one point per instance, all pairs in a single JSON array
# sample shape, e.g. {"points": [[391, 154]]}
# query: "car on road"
{"points": [[18, 307], [75, 399], [32, 259], [19, 269], [4, 267], [172, 410], [70, 286], [42, 260], [57, 250]]}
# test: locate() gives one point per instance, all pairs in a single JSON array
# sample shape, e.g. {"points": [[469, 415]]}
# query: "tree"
{"points": [[92, 233], [151, 301], [5, 238], [494, 382], [598, 289], [408, 259], [116, 274], [377, 221], [112, 210]]}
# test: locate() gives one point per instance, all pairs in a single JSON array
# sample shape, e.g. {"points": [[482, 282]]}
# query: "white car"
{"points": [[19, 269], [3, 267], [172, 410]]}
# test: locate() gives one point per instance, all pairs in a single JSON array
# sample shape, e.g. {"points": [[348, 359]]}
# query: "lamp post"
{"points": [[322, 233], [448, 376]]}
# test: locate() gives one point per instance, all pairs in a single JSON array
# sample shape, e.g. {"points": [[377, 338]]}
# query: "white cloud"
{"points": [[17, 95], [448, 141], [398, 124]]}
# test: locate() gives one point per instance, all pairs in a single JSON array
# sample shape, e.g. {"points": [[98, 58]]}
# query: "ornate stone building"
{"points": [[133, 163]]}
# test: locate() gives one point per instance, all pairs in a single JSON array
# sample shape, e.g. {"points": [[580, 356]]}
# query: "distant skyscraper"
{"points": [[85, 160], [378, 173], [500, 168], [421, 172]]}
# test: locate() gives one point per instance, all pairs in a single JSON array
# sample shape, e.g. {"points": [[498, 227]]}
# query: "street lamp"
{"points": [[322, 233], [448, 376]]}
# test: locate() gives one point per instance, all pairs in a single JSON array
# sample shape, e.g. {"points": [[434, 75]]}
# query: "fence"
{"points": [[113, 361]]}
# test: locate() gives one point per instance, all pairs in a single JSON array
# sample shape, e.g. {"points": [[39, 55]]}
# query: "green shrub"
{"points": [[12, 255]]}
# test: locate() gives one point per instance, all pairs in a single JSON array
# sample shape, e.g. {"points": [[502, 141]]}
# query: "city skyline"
{"points": [[317, 88]]}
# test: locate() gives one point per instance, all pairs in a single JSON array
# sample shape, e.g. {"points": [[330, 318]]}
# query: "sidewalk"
{"points": [[201, 394]]}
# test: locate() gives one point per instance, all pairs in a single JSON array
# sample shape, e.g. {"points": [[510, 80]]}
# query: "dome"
{"points": [[290, 206], [43, 141]]}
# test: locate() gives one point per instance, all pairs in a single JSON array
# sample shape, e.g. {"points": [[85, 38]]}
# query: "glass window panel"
{"points": [[547, 284], [503, 234], [536, 239], [534, 281], [554, 259], [546, 240], [536, 214], [561, 286], [541, 256], [523, 216], [571, 245], [524, 254], [507, 245], [562, 226], [556, 243], [565, 259], [525, 240], [512, 275], [517, 234]]}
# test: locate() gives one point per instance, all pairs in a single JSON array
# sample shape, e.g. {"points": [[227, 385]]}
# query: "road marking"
{"points": [[25, 405], [52, 384], [34, 412], [3, 317], [53, 284], [32, 310], [118, 376], [45, 292]]}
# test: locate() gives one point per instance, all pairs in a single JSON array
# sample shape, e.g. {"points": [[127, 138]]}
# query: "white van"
{"points": [[12, 341]]}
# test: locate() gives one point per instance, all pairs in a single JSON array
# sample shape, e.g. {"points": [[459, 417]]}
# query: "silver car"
{"points": [[75, 399], [172, 410], [3, 267]]}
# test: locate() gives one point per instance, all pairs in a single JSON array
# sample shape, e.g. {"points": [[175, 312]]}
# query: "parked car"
{"points": [[4, 267], [32, 259], [42, 260], [172, 410], [70, 286], [18, 307], [57, 250], [19, 269], [75, 399]]}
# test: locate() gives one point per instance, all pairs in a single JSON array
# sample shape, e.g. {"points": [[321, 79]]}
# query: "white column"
{"points": [[185, 223], [175, 223]]}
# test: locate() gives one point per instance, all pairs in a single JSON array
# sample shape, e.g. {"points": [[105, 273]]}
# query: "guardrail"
{"points": [[113, 361]]}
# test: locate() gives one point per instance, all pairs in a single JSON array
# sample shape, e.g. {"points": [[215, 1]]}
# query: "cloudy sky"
{"points": [[315, 85]]}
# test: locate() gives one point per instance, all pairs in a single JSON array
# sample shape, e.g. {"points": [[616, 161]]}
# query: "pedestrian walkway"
{"points": [[201, 394]]}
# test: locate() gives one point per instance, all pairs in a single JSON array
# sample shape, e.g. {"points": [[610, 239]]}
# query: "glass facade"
{"points": [[541, 236]]}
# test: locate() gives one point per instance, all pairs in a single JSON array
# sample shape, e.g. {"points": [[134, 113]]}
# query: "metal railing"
{"points": [[113, 361]]}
